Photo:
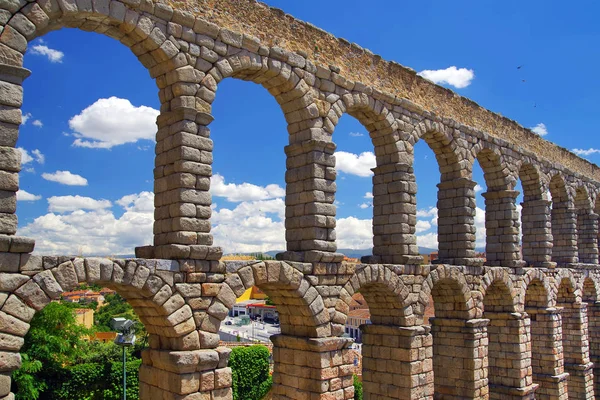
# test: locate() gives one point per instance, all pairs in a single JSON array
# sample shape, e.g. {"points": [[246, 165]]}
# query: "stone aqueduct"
{"points": [[521, 325]]}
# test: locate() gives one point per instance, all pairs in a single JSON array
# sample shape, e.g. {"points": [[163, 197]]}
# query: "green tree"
{"points": [[358, 388], [54, 340], [250, 372]]}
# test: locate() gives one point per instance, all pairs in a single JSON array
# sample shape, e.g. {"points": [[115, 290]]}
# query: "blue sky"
{"points": [[90, 108]]}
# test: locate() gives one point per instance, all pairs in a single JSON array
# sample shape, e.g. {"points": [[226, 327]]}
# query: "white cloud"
{"points": [[252, 226], [245, 191], [586, 152], [368, 195], [354, 233], [37, 123], [54, 56], [39, 157], [61, 204], [355, 164], [540, 129], [457, 77], [96, 232], [428, 240], [35, 155], [479, 227], [365, 205], [478, 188], [356, 134], [23, 195], [429, 212], [25, 118], [66, 178], [422, 226], [25, 157], [112, 122]]}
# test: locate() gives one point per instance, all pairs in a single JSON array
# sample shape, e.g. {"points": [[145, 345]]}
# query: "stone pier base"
{"points": [[397, 362], [312, 369]]}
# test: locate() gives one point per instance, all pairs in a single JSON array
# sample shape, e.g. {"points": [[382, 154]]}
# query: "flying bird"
{"points": [[520, 66]]}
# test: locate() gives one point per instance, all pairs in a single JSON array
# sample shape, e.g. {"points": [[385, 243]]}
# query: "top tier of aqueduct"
{"points": [[393, 82]]}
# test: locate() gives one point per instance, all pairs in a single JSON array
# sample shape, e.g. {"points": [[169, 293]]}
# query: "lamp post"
{"points": [[125, 338]]}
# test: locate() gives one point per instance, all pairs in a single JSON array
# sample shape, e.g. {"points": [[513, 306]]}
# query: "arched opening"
{"points": [[375, 302], [501, 216], [304, 343], [454, 237], [587, 228], [564, 223], [508, 357], [575, 340], [354, 196], [248, 185], [590, 296], [148, 288], [536, 243], [546, 349]]}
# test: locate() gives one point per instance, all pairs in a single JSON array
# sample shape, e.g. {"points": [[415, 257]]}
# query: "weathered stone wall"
{"points": [[518, 324]]}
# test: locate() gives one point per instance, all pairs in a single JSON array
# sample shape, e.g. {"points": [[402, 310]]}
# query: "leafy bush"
{"points": [[250, 372], [358, 391]]}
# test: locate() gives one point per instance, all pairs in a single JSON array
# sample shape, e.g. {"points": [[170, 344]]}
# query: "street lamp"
{"points": [[125, 338]]}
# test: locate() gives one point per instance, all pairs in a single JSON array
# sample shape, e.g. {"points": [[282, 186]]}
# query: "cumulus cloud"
{"points": [[53, 55], [354, 233], [37, 123], [36, 155], [61, 204], [586, 152], [478, 188], [97, 231], [365, 205], [355, 164], [457, 77], [23, 195], [244, 191], [422, 226], [368, 195], [252, 226], [540, 129], [65, 178], [112, 122]]}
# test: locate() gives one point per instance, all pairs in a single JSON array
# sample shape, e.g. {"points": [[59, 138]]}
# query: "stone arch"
{"points": [[564, 222], [496, 175], [450, 293], [301, 309], [536, 240], [440, 140], [536, 290], [148, 285], [385, 293], [589, 288], [565, 287], [587, 227], [500, 292]]}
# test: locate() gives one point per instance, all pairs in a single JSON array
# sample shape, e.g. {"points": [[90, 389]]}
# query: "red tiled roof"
{"points": [[360, 313]]}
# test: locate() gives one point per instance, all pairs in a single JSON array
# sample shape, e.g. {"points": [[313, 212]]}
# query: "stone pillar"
{"points": [[310, 193], [537, 233], [547, 353], [576, 351], [394, 216], [564, 233], [182, 177], [587, 236], [456, 223], [593, 311], [319, 368], [11, 99], [509, 356], [397, 362], [185, 375], [460, 358], [502, 229]]}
